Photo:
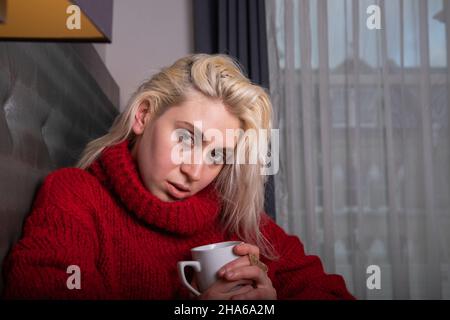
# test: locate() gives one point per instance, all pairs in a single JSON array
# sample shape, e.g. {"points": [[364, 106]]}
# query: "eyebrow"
{"points": [[194, 129]]}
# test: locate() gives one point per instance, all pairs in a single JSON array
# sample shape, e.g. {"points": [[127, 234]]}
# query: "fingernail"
{"points": [[230, 274], [221, 272]]}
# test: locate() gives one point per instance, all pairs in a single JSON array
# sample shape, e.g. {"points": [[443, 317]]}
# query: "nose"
{"points": [[193, 171]]}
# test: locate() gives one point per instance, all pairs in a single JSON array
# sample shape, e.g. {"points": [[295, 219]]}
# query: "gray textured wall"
{"points": [[52, 102]]}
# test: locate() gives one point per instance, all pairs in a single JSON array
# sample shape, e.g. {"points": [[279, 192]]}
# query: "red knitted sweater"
{"points": [[127, 242]]}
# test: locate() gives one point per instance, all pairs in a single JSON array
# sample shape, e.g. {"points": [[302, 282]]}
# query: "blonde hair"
{"points": [[241, 186]]}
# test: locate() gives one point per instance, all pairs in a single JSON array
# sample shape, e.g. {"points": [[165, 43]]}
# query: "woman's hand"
{"points": [[223, 289], [242, 269]]}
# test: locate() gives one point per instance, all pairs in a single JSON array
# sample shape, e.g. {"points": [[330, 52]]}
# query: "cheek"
{"points": [[160, 153], [208, 175]]}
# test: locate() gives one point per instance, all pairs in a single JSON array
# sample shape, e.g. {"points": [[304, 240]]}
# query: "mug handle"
{"points": [[197, 267]]}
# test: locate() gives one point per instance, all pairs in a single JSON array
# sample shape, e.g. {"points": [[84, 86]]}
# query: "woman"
{"points": [[116, 226]]}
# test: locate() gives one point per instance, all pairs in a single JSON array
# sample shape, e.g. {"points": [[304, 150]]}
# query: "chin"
{"points": [[167, 197], [164, 196], [170, 199]]}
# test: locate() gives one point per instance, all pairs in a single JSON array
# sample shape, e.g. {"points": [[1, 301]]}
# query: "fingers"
{"points": [[246, 248], [223, 289], [226, 286], [256, 294], [241, 291], [243, 249], [240, 279], [238, 263], [248, 272]]}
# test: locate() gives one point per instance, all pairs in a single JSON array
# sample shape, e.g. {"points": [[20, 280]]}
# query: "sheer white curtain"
{"points": [[364, 128]]}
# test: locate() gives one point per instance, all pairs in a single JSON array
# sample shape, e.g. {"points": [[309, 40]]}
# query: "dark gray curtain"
{"points": [[236, 28]]}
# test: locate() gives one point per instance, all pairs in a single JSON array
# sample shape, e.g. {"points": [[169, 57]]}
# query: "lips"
{"points": [[180, 186], [177, 190]]}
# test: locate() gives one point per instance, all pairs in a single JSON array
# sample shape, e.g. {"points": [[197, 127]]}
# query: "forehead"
{"points": [[212, 114]]}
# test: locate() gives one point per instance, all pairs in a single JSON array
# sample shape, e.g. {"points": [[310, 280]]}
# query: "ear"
{"points": [[141, 118]]}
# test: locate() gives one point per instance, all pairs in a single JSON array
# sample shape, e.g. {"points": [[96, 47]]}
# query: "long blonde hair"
{"points": [[241, 186]]}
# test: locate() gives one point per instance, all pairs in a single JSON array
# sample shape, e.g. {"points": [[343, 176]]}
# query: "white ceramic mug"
{"points": [[207, 260]]}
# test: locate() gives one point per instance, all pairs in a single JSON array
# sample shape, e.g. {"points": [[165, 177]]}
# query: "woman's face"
{"points": [[153, 150]]}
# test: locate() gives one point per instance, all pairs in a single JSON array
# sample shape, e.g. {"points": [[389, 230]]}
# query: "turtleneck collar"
{"points": [[117, 170]]}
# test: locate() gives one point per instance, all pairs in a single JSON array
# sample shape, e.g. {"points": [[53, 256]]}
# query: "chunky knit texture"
{"points": [[127, 242]]}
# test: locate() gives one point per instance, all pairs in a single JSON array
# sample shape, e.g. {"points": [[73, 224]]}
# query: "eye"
{"points": [[186, 138], [217, 156]]}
